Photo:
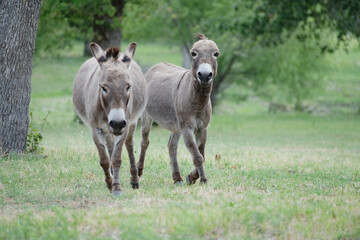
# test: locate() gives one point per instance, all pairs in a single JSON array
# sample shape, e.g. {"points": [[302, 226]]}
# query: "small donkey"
{"points": [[179, 100], [109, 96]]}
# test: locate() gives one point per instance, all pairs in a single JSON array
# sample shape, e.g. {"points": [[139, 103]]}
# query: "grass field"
{"points": [[271, 176]]}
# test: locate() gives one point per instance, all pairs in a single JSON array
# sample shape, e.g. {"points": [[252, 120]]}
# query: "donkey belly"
{"points": [[169, 124], [160, 107], [163, 80], [163, 114]]}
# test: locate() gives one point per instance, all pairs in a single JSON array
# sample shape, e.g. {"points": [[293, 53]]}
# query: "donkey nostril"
{"points": [[205, 76], [117, 125], [122, 124]]}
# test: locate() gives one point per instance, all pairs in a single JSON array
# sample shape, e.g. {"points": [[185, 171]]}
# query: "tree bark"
{"points": [[220, 79], [87, 50], [18, 24], [186, 57], [104, 33]]}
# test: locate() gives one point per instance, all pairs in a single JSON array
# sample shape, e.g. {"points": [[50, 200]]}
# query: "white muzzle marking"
{"points": [[204, 67], [116, 114]]}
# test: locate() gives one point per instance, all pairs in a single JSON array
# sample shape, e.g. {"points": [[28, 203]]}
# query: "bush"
{"points": [[34, 137], [287, 73]]}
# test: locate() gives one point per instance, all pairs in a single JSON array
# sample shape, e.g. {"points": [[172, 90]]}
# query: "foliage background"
{"points": [[272, 48]]}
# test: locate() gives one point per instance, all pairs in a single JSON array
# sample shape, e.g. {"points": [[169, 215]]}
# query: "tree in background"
{"points": [[178, 21], [242, 29], [293, 36], [239, 27], [286, 73], [62, 21], [273, 18], [18, 25]]}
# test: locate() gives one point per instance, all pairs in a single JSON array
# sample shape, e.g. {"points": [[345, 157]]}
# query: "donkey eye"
{"points": [[216, 54], [104, 89], [193, 54], [128, 88]]}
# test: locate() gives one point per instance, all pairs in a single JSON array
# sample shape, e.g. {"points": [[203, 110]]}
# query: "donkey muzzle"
{"points": [[117, 126], [117, 121], [204, 76], [204, 73]]}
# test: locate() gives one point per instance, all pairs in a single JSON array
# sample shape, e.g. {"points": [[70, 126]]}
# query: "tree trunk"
{"points": [[18, 24], [224, 68], [215, 90], [105, 34], [87, 50], [186, 57]]}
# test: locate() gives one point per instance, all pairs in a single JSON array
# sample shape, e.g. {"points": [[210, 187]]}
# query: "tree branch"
{"points": [[222, 77], [229, 66]]}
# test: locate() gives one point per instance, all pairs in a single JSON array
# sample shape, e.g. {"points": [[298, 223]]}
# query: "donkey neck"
{"points": [[199, 93]]}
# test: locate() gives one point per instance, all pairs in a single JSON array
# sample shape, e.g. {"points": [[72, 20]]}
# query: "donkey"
{"points": [[109, 96], [179, 100]]}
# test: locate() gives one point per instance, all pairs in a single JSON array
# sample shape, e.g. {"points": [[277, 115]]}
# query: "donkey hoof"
{"points": [[203, 181], [135, 185], [190, 181], [116, 189], [179, 183], [140, 172], [117, 193]]}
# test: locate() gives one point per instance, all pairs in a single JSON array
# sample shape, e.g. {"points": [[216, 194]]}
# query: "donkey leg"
{"points": [[100, 143], [134, 179], [110, 146], [198, 159], [172, 147], [146, 123], [200, 137], [116, 161]]}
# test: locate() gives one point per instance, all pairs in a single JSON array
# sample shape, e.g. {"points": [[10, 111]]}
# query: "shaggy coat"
{"points": [[109, 96], [179, 100]]}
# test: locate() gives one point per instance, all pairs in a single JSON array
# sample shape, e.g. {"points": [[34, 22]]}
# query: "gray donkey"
{"points": [[179, 100], [109, 96]]}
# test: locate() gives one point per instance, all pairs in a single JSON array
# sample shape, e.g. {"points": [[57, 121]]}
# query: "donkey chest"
{"points": [[195, 119], [200, 123], [196, 122]]}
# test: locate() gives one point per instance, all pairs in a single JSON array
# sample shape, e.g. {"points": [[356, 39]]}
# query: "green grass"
{"points": [[283, 176]]}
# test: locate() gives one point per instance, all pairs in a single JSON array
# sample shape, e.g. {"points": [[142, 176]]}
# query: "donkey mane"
{"points": [[201, 36], [112, 52]]}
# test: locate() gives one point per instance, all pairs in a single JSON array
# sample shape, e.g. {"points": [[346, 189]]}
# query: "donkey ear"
{"points": [[129, 53], [201, 36], [98, 52]]}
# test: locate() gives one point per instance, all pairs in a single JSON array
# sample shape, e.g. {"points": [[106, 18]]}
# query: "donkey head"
{"points": [[114, 84], [204, 55]]}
